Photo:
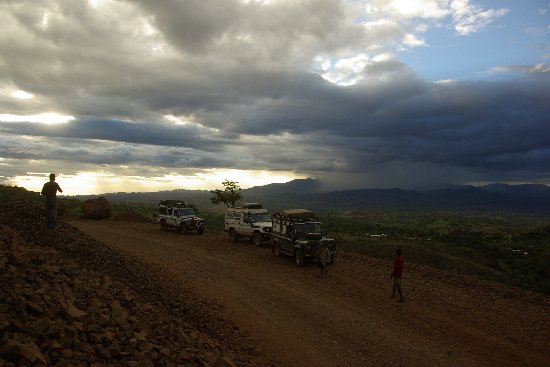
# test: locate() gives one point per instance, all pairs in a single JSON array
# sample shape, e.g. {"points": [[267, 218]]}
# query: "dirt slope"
{"points": [[346, 318], [67, 299]]}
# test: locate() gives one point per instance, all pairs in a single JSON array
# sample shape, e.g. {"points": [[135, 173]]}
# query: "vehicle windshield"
{"points": [[309, 227], [187, 211], [260, 217]]}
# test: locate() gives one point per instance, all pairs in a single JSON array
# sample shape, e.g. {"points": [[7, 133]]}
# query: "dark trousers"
{"points": [[51, 212]]}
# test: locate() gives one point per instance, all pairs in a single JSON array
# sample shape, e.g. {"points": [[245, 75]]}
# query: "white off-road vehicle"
{"points": [[249, 220], [181, 216]]}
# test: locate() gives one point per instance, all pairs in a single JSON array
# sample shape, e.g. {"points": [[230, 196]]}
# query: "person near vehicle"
{"points": [[397, 273], [323, 258], [49, 190]]}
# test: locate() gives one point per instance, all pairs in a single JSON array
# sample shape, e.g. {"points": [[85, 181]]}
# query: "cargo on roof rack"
{"points": [[296, 214], [176, 203], [250, 206]]}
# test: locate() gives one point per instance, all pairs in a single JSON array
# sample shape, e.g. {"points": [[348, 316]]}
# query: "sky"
{"points": [[128, 96]]}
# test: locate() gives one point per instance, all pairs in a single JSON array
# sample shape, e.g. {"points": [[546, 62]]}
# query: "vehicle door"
{"points": [[229, 221], [286, 238], [236, 222], [245, 225], [173, 214]]}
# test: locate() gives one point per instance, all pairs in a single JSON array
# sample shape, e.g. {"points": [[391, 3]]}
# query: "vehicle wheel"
{"points": [[299, 257], [163, 226], [183, 228], [233, 236], [257, 239], [276, 248], [201, 231]]}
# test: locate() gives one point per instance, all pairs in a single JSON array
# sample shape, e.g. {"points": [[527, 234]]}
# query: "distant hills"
{"points": [[306, 193]]}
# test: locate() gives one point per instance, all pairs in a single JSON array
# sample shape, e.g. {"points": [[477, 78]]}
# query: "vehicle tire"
{"points": [[276, 248], [299, 258], [183, 228], [257, 239], [201, 231], [233, 236], [163, 226]]}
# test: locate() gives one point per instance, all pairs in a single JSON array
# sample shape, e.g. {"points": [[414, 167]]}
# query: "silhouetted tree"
{"points": [[230, 195]]}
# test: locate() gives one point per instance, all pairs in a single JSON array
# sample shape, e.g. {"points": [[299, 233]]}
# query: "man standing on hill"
{"points": [[49, 190], [397, 273]]}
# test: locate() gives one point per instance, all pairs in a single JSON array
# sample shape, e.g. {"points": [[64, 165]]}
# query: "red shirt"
{"points": [[398, 266]]}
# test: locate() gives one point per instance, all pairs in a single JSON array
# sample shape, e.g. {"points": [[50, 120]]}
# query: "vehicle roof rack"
{"points": [[299, 215], [250, 206], [176, 203]]}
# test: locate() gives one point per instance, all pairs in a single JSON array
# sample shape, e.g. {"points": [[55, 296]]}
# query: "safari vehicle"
{"points": [[249, 220], [181, 216], [297, 233]]}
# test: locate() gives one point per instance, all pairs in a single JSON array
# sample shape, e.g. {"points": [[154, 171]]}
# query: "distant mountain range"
{"points": [[306, 193]]}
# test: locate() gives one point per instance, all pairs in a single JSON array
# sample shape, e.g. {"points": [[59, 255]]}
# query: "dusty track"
{"points": [[346, 318]]}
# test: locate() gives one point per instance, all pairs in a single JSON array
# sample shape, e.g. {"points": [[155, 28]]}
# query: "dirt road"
{"points": [[346, 318]]}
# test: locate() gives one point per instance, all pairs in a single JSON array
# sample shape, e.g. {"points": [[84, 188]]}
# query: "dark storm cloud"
{"points": [[493, 129], [470, 125], [480, 125], [118, 131], [79, 154]]}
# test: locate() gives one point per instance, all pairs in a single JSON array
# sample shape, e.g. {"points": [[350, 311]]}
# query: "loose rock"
{"points": [[65, 299]]}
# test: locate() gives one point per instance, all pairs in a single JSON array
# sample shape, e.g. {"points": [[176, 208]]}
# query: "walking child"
{"points": [[397, 274], [323, 258]]}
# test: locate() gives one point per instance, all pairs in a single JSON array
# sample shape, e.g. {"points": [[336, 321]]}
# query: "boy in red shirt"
{"points": [[397, 274]]}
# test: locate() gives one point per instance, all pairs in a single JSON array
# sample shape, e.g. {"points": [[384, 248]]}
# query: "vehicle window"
{"points": [[238, 215], [309, 227], [169, 211], [260, 217], [229, 215], [186, 211]]}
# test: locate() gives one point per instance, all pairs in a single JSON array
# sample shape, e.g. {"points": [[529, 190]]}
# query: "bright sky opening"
{"points": [[102, 182]]}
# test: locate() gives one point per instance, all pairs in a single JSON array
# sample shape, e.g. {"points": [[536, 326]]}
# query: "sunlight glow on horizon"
{"points": [[48, 118], [94, 183]]}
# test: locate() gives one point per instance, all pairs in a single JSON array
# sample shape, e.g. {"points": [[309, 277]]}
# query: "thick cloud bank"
{"points": [[312, 87]]}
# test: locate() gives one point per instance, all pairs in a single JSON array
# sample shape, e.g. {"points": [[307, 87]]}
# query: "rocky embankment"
{"points": [[65, 299]]}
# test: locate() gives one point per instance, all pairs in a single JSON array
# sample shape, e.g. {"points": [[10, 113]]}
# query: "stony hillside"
{"points": [[65, 299]]}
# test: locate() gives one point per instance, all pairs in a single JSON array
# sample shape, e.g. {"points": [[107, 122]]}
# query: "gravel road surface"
{"points": [[347, 317]]}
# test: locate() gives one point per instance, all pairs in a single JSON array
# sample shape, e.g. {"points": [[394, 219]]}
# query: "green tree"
{"points": [[230, 195]]}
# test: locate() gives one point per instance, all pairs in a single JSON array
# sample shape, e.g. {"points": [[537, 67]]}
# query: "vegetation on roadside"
{"points": [[9, 192], [230, 195], [510, 248]]}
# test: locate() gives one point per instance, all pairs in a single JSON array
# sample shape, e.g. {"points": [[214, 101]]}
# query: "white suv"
{"points": [[248, 220]]}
